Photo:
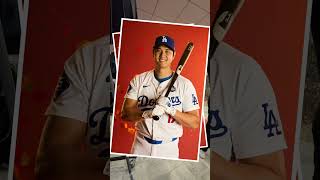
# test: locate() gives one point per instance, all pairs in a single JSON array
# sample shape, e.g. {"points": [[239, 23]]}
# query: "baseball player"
{"points": [[244, 120], [145, 99], [75, 139]]}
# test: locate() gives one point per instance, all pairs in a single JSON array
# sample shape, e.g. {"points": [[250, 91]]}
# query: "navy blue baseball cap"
{"points": [[164, 40]]}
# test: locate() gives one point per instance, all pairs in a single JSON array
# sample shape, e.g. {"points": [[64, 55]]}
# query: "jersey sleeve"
{"points": [[71, 95], [190, 98], [132, 92], [257, 127]]}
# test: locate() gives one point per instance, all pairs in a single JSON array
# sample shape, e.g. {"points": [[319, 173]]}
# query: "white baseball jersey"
{"points": [[243, 110], [85, 93], [145, 88]]}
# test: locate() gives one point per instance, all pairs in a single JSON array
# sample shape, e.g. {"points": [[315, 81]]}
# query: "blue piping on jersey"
{"points": [[162, 79]]}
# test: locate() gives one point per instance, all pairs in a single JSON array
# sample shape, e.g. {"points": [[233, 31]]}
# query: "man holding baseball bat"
{"points": [[145, 100]]}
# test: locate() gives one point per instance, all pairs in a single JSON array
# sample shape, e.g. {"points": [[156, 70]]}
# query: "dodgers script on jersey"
{"points": [[243, 109], [85, 93], [145, 88]]}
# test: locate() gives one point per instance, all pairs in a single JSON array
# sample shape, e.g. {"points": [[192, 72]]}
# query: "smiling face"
{"points": [[163, 56]]}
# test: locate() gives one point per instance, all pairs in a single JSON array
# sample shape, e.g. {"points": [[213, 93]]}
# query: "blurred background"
{"points": [[9, 54], [310, 127]]}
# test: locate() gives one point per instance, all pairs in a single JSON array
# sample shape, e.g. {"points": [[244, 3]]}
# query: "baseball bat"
{"points": [[225, 15], [185, 56]]}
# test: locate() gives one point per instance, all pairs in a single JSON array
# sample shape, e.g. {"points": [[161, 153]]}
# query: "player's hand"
{"points": [[163, 101], [166, 104], [147, 114], [158, 111]]}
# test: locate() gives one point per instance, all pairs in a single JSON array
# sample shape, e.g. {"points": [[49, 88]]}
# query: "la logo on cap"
{"points": [[164, 39]]}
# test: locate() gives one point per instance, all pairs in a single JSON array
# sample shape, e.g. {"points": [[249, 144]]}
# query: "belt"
{"points": [[151, 141]]}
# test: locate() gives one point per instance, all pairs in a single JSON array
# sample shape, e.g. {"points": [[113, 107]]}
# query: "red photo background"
{"points": [[135, 56], [272, 32], [203, 140]]}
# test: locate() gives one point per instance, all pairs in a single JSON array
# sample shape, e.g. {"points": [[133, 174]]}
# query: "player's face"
{"points": [[163, 56]]}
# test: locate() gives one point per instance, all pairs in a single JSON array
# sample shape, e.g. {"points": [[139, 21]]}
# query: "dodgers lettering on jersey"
{"points": [[99, 120], [217, 126], [243, 113], [144, 103], [86, 94], [145, 88]]}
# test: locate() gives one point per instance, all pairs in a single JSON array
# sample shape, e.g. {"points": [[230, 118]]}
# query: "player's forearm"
{"points": [[187, 119], [225, 170], [131, 114], [69, 163]]}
